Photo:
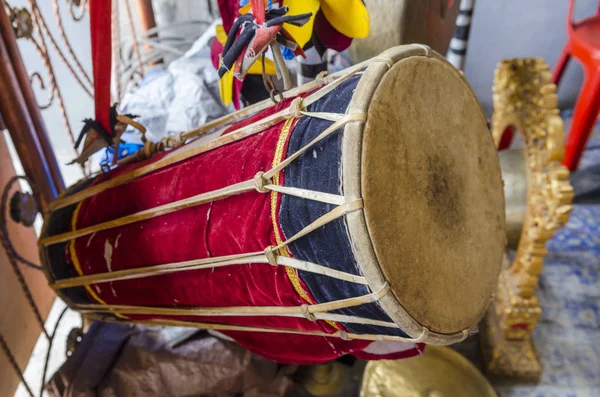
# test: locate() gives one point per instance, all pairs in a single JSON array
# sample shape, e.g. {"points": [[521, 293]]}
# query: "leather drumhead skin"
{"points": [[433, 198]]}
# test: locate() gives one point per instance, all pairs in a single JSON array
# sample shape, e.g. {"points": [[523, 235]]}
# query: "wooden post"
{"points": [[146, 19], [23, 119], [146, 15], [14, 55]]}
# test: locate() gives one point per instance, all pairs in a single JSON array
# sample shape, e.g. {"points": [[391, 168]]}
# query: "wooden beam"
{"points": [[22, 129], [22, 79]]}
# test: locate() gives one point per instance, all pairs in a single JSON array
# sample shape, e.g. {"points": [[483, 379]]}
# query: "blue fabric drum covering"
{"points": [[319, 169]]}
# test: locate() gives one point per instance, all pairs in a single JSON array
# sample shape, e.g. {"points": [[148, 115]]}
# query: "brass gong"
{"points": [[439, 372]]}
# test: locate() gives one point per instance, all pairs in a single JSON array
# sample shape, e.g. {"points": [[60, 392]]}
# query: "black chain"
{"points": [[13, 256], [14, 364], [50, 341], [13, 361]]}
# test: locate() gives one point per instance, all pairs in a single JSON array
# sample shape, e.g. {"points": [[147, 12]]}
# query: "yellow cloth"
{"points": [[256, 67], [221, 34], [301, 34], [246, 9], [349, 17], [226, 88]]}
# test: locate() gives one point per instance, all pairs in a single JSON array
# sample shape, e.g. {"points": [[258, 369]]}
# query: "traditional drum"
{"points": [[365, 206]]}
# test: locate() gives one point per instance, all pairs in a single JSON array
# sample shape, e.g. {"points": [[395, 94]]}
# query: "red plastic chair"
{"points": [[584, 44]]}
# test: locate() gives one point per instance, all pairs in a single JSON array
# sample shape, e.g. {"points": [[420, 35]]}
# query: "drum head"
{"points": [[432, 189]]}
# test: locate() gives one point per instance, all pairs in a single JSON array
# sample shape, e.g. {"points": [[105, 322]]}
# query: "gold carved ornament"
{"points": [[525, 100]]}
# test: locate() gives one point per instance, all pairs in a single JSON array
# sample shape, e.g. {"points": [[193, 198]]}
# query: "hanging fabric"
{"points": [[107, 127]]}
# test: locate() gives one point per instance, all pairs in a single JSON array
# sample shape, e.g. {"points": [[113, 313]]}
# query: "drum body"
{"points": [[369, 209]]}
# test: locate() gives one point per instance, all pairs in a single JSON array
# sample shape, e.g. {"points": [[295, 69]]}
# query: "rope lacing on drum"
{"points": [[211, 196], [388, 61], [312, 312], [271, 256], [260, 182], [296, 109], [424, 335], [168, 142], [324, 78], [248, 130], [307, 314], [426, 48]]}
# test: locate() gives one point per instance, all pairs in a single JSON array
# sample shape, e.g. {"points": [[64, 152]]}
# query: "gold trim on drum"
{"points": [[525, 99], [77, 265], [292, 273]]}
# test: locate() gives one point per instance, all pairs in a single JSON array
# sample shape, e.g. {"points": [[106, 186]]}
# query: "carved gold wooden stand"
{"points": [[525, 100]]}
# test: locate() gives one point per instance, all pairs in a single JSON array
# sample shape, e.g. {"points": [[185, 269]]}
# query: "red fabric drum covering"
{"points": [[238, 224], [314, 194]]}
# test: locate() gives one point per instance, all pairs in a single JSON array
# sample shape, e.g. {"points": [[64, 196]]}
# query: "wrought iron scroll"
{"points": [[30, 24]]}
